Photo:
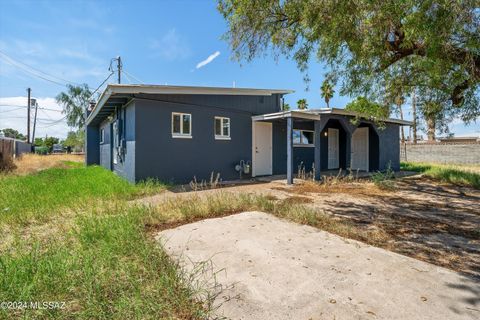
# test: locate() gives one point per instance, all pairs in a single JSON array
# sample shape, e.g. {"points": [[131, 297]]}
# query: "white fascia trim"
{"points": [[160, 89]]}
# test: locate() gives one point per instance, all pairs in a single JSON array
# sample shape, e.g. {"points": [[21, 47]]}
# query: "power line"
{"points": [[25, 67], [11, 110], [41, 108], [100, 85], [131, 76]]}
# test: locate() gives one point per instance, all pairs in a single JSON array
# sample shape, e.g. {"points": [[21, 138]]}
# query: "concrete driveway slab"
{"points": [[274, 269]]}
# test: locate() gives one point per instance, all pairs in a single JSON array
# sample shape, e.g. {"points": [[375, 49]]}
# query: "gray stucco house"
{"points": [[174, 133]]}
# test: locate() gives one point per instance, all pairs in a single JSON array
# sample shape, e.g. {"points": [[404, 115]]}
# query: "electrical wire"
{"points": [[132, 76], [25, 67], [11, 110], [40, 108], [101, 85]]}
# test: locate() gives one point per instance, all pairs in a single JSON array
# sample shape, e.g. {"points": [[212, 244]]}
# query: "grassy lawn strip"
{"points": [[40, 195], [458, 175], [104, 268]]}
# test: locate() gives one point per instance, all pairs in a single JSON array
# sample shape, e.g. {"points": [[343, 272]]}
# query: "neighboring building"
{"points": [[174, 133]]}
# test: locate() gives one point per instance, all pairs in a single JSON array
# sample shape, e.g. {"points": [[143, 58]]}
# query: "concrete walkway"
{"points": [[274, 269]]}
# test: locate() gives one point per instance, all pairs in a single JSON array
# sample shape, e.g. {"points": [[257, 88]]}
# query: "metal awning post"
{"points": [[289, 150], [317, 158]]}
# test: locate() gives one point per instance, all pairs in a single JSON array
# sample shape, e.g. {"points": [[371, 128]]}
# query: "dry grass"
{"points": [[31, 163], [361, 187]]}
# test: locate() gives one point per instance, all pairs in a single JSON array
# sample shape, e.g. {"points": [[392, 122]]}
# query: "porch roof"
{"points": [[315, 114]]}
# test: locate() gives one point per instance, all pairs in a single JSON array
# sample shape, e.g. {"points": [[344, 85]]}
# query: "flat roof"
{"points": [[118, 94], [315, 114]]}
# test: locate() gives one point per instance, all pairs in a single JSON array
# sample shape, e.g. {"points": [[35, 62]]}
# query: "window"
{"points": [[181, 125], [222, 128], [102, 135], [303, 138]]}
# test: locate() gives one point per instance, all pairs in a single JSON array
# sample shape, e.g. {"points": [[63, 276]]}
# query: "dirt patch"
{"points": [[434, 222]]}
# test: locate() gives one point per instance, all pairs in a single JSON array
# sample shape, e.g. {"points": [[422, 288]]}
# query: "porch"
{"points": [[317, 141]]}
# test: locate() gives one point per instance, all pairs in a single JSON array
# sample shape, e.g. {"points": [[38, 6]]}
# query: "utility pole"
{"points": [[29, 91], [34, 123], [119, 68]]}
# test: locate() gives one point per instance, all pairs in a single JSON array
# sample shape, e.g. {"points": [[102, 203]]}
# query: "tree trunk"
{"points": [[431, 129], [402, 128], [414, 111]]}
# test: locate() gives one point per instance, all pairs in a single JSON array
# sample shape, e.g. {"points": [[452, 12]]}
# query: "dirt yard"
{"points": [[434, 222]]}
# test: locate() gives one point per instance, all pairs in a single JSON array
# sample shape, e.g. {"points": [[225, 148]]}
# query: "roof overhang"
{"points": [[316, 115], [286, 114], [119, 94]]}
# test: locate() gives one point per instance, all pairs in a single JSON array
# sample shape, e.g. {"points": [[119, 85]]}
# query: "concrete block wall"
{"points": [[441, 153]]}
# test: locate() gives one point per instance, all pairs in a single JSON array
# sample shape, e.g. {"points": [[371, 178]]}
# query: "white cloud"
{"points": [[171, 46], [13, 114], [208, 60]]}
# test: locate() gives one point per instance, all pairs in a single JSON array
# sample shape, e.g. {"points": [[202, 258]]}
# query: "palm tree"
{"points": [[302, 104], [74, 102], [326, 91]]}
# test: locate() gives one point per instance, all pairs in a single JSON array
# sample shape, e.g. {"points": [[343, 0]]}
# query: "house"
{"points": [[175, 133]]}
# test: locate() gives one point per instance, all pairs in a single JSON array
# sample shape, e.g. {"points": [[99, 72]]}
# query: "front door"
{"points": [[262, 149], [360, 149], [333, 150]]}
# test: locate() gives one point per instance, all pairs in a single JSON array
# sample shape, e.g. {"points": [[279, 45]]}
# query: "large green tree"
{"points": [[435, 44], [74, 102]]}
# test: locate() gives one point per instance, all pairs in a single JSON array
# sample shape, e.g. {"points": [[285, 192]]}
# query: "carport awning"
{"points": [[315, 114]]}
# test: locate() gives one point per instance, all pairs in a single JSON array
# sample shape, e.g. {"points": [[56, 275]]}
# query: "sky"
{"points": [[46, 44]]}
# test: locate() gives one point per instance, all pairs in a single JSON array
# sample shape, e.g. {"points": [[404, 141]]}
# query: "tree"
{"points": [[74, 102], [49, 142], [12, 133], [39, 142], [326, 91], [75, 140], [286, 107], [433, 106], [370, 110], [366, 43], [302, 104]]}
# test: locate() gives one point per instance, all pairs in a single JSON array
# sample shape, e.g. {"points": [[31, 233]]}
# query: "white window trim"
{"points": [[222, 136], [102, 136], [182, 135], [311, 145]]}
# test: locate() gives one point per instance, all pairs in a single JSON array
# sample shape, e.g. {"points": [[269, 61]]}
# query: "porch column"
{"points": [[317, 158], [289, 150]]}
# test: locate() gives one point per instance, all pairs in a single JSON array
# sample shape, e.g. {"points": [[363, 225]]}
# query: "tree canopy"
{"points": [[74, 102], [367, 109], [12, 133], [302, 104], [368, 44], [327, 91]]}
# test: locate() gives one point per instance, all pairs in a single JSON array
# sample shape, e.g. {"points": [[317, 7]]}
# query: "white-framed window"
{"points": [[303, 138], [181, 125], [222, 128], [102, 135]]}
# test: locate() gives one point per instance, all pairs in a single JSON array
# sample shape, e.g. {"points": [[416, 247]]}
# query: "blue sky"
{"points": [[160, 42]]}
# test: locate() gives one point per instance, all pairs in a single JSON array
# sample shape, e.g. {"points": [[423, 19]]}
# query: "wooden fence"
{"points": [[7, 151]]}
